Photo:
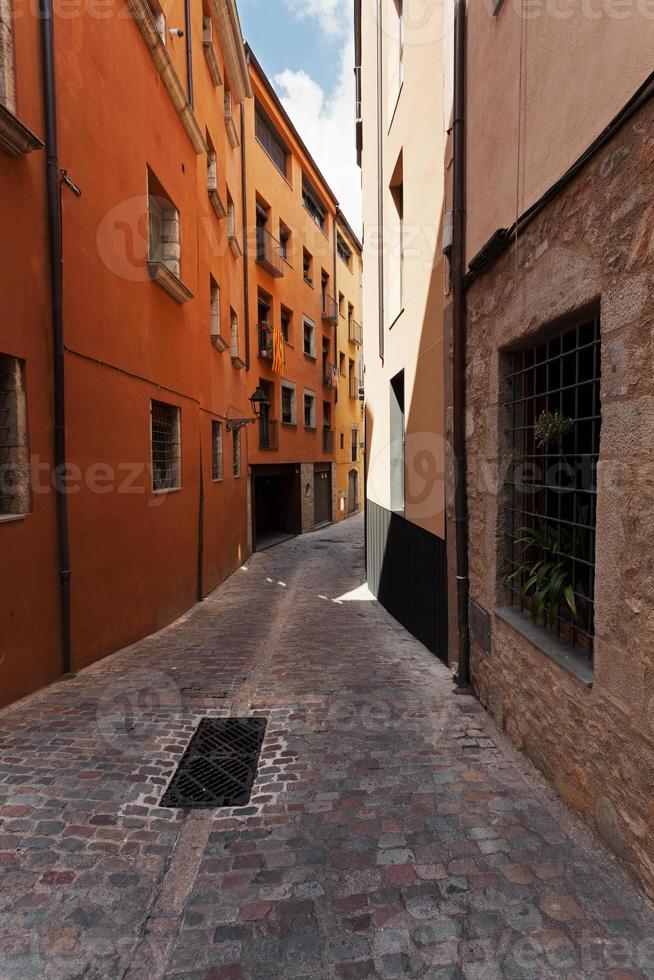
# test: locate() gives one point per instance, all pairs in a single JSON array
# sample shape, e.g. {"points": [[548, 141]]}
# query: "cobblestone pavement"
{"points": [[391, 832]]}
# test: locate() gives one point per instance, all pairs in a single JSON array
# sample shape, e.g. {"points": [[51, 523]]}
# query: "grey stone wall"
{"points": [[307, 494], [7, 71], [595, 242]]}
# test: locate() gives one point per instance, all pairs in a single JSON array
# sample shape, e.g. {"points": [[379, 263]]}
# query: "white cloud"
{"points": [[326, 123], [334, 16]]}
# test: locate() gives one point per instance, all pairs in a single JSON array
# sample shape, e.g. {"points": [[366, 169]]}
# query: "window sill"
{"points": [[311, 428], [212, 63], [168, 281], [12, 518], [217, 203], [289, 425], [217, 479], [572, 661], [307, 283], [236, 249], [310, 357], [161, 493], [232, 134], [15, 138]]}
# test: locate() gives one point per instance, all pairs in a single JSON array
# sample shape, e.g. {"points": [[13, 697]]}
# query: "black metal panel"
{"points": [[219, 765], [407, 571]]}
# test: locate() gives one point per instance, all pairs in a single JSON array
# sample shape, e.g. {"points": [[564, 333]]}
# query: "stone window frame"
{"points": [[289, 386], [308, 322], [560, 649], [309, 394], [15, 484], [217, 471], [166, 446], [7, 57]]}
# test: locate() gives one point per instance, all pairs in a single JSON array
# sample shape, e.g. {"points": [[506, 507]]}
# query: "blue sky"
{"points": [[306, 48]]}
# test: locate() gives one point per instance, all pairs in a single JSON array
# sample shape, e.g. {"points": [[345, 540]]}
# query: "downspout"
{"points": [[201, 524], [246, 256], [189, 51], [380, 183], [56, 289], [459, 348]]}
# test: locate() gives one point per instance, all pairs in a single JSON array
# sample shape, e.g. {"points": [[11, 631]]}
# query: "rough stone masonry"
{"points": [[593, 244]]}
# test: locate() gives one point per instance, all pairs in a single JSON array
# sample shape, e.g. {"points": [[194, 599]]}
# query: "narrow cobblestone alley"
{"points": [[391, 832]]}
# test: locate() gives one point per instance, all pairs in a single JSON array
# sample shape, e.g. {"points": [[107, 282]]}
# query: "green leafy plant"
{"points": [[552, 427], [546, 569]]}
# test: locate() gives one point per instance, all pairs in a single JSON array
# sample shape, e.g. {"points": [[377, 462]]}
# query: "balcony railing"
{"points": [[329, 309], [327, 374], [265, 341], [328, 440], [269, 255], [354, 386], [356, 332], [268, 433]]}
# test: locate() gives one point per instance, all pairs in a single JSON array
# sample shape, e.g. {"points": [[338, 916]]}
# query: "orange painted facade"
{"points": [[294, 279], [136, 555], [159, 251]]}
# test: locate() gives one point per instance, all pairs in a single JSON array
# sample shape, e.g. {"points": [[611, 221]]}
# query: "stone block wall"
{"points": [[7, 70], [307, 496], [594, 244]]}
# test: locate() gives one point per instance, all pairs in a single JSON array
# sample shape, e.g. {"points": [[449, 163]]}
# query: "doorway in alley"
{"points": [[275, 504], [322, 494]]}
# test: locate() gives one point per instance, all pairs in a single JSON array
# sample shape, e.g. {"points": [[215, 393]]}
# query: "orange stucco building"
{"points": [[157, 510], [131, 292], [295, 279]]}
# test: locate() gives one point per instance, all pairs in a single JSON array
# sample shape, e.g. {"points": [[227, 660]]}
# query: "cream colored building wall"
{"points": [[540, 88], [413, 125], [348, 414]]}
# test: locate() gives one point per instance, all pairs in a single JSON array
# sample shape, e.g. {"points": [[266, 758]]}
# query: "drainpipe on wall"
{"points": [[56, 288], [246, 284], [380, 181], [189, 51], [459, 349], [201, 524]]}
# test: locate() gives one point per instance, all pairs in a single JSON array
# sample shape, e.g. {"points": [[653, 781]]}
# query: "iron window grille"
{"points": [[166, 455], [309, 411], [288, 405], [343, 250], [270, 140], [313, 205], [216, 450], [553, 426], [236, 452]]}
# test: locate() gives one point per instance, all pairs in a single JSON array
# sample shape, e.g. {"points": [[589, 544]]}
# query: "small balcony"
{"points": [[327, 374], [354, 386], [268, 433], [265, 335], [329, 309], [269, 255], [355, 331], [328, 440]]}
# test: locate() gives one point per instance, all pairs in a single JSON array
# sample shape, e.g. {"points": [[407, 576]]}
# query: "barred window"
{"points": [[309, 410], [236, 452], [166, 447], [270, 140], [216, 450], [14, 453], [343, 249], [288, 403], [553, 428], [313, 204]]}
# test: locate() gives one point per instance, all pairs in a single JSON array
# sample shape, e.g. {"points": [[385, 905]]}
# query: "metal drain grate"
{"points": [[219, 765]]}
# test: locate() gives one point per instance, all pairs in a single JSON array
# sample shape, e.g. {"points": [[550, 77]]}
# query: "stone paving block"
{"points": [[390, 833]]}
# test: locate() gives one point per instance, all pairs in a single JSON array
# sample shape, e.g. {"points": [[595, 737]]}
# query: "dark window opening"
{"points": [[553, 428], [314, 205], [270, 140]]}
